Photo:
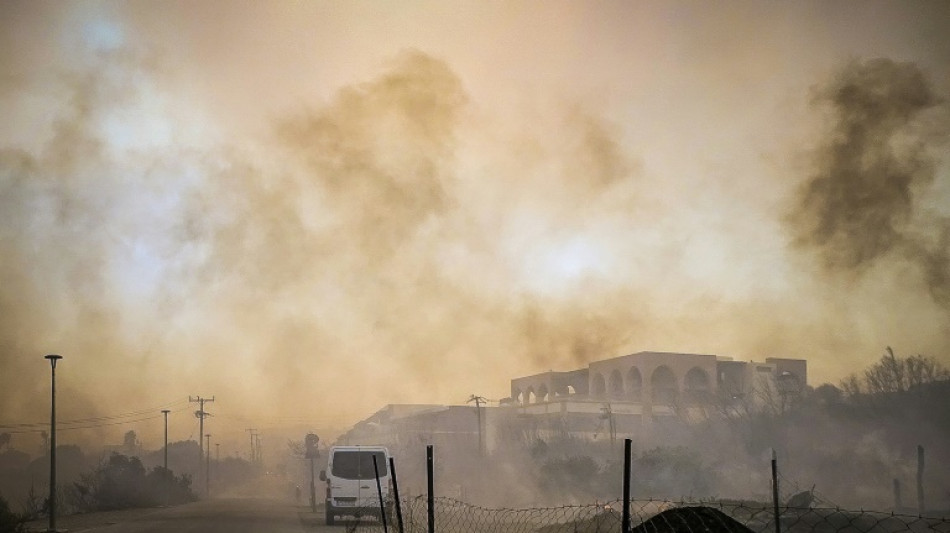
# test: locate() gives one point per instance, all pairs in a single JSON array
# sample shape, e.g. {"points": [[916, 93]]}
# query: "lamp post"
{"points": [[165, 412], [52, 440]]}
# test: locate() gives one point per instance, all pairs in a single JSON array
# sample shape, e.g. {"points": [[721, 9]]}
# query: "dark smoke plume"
{"points": [[862, 204]]}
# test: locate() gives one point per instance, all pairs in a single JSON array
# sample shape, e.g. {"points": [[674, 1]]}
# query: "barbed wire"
{"points": [[647, 516]]}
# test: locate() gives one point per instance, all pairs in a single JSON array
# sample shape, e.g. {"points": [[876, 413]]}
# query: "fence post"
{"points": [[898, 504], [379, 492], [625, 520], [778, 524], [920, 480], [430, 487], [392, 472]]}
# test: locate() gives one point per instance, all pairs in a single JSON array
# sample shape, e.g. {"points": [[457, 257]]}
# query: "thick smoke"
{"points": [[348, 247], [863, 203], [397, 229], [56, 226], [381, 154]]}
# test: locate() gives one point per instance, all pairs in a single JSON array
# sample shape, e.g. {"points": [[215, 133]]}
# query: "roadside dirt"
{"points": [[85, 521]]}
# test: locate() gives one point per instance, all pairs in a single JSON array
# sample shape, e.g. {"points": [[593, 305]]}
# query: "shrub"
{"points": [[122, 482], [10, 521]]}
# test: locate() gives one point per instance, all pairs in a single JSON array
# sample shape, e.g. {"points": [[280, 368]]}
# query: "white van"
{"points": [[351, 481]]}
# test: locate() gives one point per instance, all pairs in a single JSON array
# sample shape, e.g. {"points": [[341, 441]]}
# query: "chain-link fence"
{"points": [[453, 516]]}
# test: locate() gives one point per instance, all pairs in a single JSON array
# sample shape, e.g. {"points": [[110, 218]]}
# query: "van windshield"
{"points": [[358, 465]]}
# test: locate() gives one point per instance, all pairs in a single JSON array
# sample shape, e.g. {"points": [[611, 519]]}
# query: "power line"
{"points": [[89, 423], [96, 418]]}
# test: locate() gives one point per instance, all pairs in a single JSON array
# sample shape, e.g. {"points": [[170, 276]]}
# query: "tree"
{"points": [[923, 370], [887, 375], [827, 395], [130, 442], [893, 374]]}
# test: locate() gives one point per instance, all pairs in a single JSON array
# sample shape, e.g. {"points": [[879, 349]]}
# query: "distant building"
{"points": [[623, 396], [410, 425], [632, 392]]}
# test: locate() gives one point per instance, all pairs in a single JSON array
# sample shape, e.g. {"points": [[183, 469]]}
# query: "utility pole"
{"points": [[253, 433], [479, 400], [217, 460], [611, 426], [260, 450], [201, 414], [165, 412], [208, 468]]}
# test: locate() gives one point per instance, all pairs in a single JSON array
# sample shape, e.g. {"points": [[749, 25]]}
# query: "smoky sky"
{"points": [[313, 211], [862, 204]]}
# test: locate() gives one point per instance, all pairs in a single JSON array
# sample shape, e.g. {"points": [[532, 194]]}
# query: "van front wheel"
{"points": [[330, 517]]}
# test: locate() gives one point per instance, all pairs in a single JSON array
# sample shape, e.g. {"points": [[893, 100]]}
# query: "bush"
{"points": [[576, 477], [122, 482], [10, 521], [671, 473]]}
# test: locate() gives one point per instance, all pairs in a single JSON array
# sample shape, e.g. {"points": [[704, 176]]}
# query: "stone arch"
{"points": [[696, 383], [634, 383], [597, 385], [517, 396], [543, 393], [615, 385], [530, 397], [663, 386]]}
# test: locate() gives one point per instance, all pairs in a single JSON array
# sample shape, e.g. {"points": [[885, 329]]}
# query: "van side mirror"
{"points": [[323, 475]]}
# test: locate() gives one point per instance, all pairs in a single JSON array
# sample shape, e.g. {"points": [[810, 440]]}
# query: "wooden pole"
{"points": [[431, 487], [898, 504], [778, 525], [379, 492], [392, 472], [921, 507], [625, 517]]}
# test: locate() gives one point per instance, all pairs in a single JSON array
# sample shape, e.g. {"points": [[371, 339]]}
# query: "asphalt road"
{"points": [[225, 515]]}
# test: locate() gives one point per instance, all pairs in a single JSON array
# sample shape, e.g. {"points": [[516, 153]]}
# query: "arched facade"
{"points": [[697, 386], [634, 384], [658, 379], [542, 393], [663, 387], [548, 386], [615, 385], [598, 387], [653, 377]]}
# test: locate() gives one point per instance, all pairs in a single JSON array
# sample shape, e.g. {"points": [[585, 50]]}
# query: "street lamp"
{"points": [[52, 440]]}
